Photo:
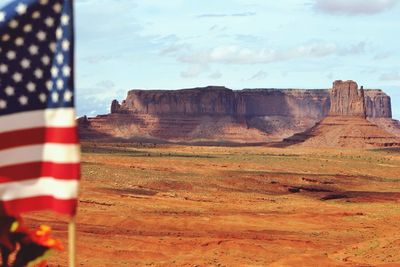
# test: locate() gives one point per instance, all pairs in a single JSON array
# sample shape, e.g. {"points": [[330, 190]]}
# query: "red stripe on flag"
{"points": [[18, 206], [27, 171], [62, 135]]}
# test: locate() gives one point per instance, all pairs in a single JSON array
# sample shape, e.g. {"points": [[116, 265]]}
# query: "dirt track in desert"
{"points": [[164, 205]]}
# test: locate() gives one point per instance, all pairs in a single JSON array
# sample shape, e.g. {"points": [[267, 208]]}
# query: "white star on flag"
{"points": [[2, 16], [65, 45], [3, 104], [42, 97], [54, 71], [57, 8], [23, 100], [46, 60], [60, 58], [66, 71], [60, 84], [3, 68], [13, 24], [68, 96], [49, 85], [17, 77], [36, 15], [33, 50], [28, 28], [19, 41], [21, 9], [25, 63], [11, 55], [9, 90], [38, 73], [54, 96], [31, 87], [5, 37], [41, 36], [64, 20], [49, 22]]}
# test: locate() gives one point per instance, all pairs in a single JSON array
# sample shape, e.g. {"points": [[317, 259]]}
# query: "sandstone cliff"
{"points": [[218, 113], [214, 100], [196, 101], [346, 124], [377, 104], [347, 100]]}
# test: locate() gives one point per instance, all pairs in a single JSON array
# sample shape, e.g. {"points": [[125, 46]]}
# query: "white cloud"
{"points": [[95, 59], [194, 70], [353, 49], [97, 97], [215, 75], [173, 49], [234, 54], [259, 75], [106, 84], [243, 14], [390, 76], [353, 7], [382, 55]]}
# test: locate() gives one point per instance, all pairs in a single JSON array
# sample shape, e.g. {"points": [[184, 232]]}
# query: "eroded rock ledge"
{"points": [[221, 114], [216, 100]]}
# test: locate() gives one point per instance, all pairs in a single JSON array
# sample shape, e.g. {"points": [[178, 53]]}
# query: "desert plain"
{"points": [[185, 205]]}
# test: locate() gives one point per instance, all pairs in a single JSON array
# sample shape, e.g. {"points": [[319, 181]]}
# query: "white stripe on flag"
{"points": [[55, 117], [59, 189], [56, 153]]}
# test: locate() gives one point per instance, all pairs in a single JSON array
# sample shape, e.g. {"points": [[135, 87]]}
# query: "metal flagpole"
{"points": [[72, 242], [72, 222]]}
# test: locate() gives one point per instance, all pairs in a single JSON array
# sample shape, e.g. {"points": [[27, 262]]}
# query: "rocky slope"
{"points": [[346, 124], [221, 114], [344, 131]]}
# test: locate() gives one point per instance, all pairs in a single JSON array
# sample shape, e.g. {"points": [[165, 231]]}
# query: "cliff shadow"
{"points": [[296, 138], [108, 128]]}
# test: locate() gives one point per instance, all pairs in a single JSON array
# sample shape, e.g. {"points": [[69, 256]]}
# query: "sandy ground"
{"points": [[243, 206]]}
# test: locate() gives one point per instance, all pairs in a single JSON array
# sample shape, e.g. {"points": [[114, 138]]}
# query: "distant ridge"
{"points": [[346, 124], [219, 114]]}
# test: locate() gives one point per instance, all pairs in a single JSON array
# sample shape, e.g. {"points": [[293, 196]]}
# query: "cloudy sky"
{"points": [[169, 44]]}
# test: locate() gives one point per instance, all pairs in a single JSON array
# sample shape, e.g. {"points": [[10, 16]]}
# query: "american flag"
{"points": [[39, 151]]}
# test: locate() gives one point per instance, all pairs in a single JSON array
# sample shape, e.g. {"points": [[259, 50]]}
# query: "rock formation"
{"points": [[217, 100], [221, 114], [344, 131], [115, 106], [346, 124], [347, 100], [210, 100], [377, 104]]}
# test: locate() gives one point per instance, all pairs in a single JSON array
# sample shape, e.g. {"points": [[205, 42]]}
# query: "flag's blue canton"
{"points": [[36, 55]]}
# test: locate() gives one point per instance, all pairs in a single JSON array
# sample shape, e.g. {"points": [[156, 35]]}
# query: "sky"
{"points": [[171, 44]]}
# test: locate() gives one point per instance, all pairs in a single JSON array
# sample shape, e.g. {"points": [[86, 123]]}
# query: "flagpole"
{"points": [[72, 223], [72, 242]]}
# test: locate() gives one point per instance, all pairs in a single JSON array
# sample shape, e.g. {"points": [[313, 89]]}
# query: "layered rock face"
{"points": [[346, 125], [218, 113], [196, 101], [289, 103], [215, 100], [347, 100], [377, 104]]}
